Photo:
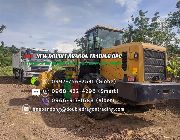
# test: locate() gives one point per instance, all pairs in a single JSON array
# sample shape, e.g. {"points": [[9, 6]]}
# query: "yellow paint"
{"points": [[134, 66], [134, 71]]}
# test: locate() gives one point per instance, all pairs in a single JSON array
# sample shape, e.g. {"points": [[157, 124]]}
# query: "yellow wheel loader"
{"points": [[137, 77]]}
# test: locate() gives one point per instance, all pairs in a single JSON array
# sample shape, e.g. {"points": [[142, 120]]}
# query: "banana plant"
{"points": [[173, 68]]}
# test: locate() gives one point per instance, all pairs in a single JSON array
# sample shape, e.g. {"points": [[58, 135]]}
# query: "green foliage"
{"points": [[82, 43], [6, 54], [2, 27], [6, 71], [174, 19], [152, 30], [174, 67], [77, 51]]}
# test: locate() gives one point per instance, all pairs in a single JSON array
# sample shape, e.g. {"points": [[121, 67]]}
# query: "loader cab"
{"points": [[97, 38], [100, 37]]}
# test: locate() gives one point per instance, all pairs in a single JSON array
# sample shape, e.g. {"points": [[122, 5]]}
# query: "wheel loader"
{"points": [[139, 76]]}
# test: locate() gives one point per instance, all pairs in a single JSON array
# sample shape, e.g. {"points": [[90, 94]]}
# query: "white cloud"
{"points": [[121, 2], [130, 5], [56, 12], [65, 47], [52, 10], [66, 19]]}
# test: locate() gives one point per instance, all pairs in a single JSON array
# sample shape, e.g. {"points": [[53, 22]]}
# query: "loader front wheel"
{"points": [[58, 75], [92, 108]]}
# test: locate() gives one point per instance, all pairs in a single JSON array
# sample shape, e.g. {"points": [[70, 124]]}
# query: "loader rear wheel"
{"points": [[93, 96]]}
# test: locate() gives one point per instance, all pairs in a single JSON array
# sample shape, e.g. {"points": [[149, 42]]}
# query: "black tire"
{"points": [[98, 115], [21, 77], [25, 80], [16, 73]]}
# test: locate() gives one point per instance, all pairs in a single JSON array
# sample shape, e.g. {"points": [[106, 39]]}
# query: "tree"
{"points": [[178, 5], [56, 51], [174, 19], [137, 31], [82, 43], [2, 43], [2, 27], [174, 68], [174, 62], [13, 49], [152, 30], [77, 51]]}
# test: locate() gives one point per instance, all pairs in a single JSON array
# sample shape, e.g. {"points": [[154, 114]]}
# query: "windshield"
{"points": [[29, 51], [109, 38]]}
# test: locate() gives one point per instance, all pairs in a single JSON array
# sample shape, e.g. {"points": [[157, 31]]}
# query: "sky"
{"points": [[55, 24]]}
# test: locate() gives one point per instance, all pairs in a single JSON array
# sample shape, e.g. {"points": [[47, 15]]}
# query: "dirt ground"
{"points": [[161, 122]]}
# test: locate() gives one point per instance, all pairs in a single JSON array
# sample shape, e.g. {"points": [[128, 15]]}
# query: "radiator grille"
{"points": [[39, 68], [154, 64]]}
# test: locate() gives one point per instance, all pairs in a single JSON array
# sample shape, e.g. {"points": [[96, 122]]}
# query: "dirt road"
{"points": [[162, 122]]}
